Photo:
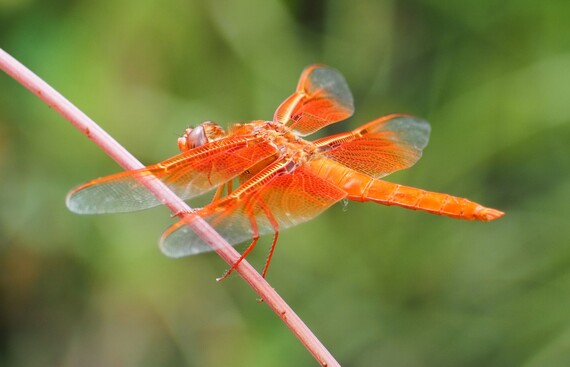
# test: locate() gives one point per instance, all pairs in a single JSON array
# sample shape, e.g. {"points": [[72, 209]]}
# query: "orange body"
{"points": [[361, 187], [283, 179]]}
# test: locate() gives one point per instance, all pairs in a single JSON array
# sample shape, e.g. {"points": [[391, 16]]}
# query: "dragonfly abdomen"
{"points": [[388, 193]]}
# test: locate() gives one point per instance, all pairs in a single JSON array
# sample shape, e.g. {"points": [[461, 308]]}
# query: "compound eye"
{"points": [[197, 137], [192, 138], [204, 133]]}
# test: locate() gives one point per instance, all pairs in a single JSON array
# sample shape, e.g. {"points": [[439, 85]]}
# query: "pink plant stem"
{"points": [[56, 101]]}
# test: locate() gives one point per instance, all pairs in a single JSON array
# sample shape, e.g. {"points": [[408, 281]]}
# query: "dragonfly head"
{"points": [[204, 133]]}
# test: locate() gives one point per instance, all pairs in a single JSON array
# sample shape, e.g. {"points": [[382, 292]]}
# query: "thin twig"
{"points": [[88, 127]]}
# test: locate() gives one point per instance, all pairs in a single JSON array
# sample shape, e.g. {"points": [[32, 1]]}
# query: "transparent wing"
{"points": [[188, 174], [322, 98], [380, 147], [284, 201]]}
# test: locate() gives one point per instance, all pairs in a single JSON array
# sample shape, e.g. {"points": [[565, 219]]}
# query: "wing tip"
{"points": [[179, 240], [74, 205]]}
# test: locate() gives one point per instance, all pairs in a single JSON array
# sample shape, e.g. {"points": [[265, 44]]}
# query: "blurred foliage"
{"points": [[380, 286]]}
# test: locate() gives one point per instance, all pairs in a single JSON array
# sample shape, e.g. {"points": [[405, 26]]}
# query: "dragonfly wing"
{"points": [[188, 174], [380, 147], [322, 98], [284, 201]]}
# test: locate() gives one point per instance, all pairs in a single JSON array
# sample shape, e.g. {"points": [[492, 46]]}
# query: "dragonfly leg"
{"points": [[230, 187], [275, 226], [218, 193], [238, 261], [251, 246], [182, 213], [220, 190], [270, 255]]}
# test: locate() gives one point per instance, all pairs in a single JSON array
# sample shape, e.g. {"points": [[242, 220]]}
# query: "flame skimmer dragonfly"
{"points": [[284, 180]]}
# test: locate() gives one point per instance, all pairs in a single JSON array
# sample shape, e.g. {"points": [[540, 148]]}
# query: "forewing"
{"points": [[322, 98], [380, 147], [188, 174], [285, 201]]}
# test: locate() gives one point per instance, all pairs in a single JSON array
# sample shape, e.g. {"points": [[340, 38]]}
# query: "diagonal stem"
{"points": [[110, 146]]}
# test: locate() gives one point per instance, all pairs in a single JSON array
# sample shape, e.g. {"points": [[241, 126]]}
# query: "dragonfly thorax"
{"points": [[288, 144]]}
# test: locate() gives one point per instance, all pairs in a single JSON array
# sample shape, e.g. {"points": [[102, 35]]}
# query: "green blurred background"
{"points": [[380, 286]]}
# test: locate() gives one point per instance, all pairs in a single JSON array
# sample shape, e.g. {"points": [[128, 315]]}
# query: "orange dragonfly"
{"points": [[284, 180]]}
